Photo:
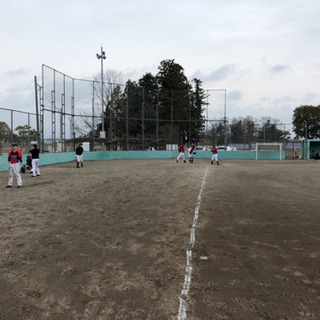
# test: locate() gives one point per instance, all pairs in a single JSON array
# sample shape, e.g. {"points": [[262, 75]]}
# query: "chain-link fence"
{"points": [[17, 126], [113, 116], [24, 128]]}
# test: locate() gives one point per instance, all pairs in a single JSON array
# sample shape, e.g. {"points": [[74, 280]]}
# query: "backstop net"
{"points": [[117, 116]]}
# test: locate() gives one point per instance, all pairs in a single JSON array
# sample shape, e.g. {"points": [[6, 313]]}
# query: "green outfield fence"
{"points": [[61, 157]]}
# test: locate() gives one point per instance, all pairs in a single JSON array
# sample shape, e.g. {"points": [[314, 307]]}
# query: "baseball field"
{"points": [[159, 240]]}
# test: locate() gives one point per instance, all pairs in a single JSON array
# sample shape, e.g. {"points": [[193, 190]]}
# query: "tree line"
{"points": [[23, 136], [161, 108], [168, 108], [248, 130], [179, 106]]}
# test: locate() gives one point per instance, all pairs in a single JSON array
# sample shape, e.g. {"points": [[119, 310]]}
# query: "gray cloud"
{"points": [[218, 74], [278, 68], [253, 50], [309, 97], [234, 95], [17, 72]]}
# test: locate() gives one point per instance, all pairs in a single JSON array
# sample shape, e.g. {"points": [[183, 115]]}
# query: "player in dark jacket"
{"points": [[29, 163], [35, 160], [79, 152], [191, 152]]}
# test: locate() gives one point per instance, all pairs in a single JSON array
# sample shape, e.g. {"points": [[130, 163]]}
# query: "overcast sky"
{"points": [[265, 53]]}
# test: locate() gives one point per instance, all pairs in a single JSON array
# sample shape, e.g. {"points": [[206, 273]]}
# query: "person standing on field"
{"points": [[214, 151], [190, 152], [79, 152], [14, 156], [181, 150], [29, 164], [35, 160]]}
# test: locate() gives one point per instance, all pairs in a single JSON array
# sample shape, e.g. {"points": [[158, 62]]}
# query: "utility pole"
{"points": [[102, 56]]}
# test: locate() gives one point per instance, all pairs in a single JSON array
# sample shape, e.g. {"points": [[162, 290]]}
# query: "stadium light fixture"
{"points": [[101, 57]]}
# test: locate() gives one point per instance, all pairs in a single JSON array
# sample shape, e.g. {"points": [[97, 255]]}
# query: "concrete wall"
{"points": [[60, 157]]}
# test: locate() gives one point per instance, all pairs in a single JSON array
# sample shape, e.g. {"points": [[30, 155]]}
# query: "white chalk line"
{"points": [[184, 296]]}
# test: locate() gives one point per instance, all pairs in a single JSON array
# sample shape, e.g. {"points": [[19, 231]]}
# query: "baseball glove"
{"points": [[23, 169], [194, 153]]}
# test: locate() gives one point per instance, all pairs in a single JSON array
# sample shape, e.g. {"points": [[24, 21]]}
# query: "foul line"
{"points": [[184, 296]]}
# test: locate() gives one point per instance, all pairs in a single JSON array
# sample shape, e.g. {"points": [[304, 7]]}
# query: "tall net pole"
{"points": [[102, 56]]}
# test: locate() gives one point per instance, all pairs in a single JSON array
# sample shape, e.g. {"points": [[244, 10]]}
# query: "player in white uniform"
{"points": [[35, 160], [214, 151], [14, 156], [79, 152], [181, 149], [190, 153]]}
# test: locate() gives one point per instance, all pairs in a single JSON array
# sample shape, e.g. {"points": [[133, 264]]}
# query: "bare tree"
{"points": [[112, 78], [86, 126]]}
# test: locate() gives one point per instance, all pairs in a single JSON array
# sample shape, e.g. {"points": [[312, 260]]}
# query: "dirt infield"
{"points": [[108, 241]]}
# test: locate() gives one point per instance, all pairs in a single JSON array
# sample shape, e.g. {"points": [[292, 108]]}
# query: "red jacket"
{"points": [[181, 149], [214, 150], [14, 156]]}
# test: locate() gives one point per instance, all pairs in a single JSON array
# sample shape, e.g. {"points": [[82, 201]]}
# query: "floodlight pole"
{"points": [[102, 56]]}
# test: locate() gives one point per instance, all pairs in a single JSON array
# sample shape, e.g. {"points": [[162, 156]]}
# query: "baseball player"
{"points": [[79, 152], [28, 164], [181, 150], [190, 153], [35, 160], [14, 156], [214, 151]]}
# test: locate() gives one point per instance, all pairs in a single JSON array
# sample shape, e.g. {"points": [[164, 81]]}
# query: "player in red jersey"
{"points": [[181, 150], [14, 157], [214, 151]]}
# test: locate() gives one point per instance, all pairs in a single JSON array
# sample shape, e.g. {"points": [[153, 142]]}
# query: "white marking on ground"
{"points": [[184, 296]]}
